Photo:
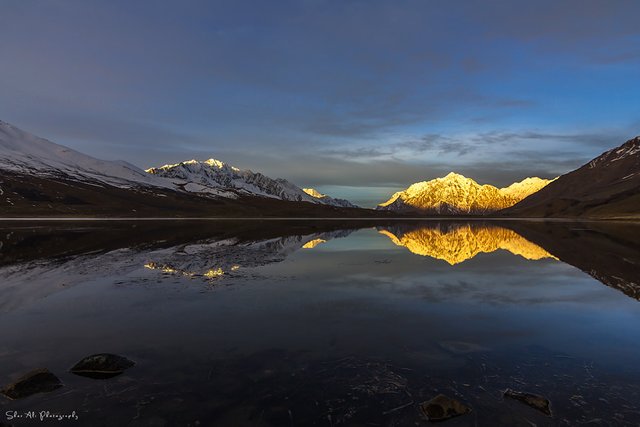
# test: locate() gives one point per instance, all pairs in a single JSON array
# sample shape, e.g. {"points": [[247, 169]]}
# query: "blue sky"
{"points": [[355, 98]]}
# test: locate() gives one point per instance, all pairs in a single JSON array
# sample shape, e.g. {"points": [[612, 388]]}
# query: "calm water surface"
{"points": [[328, 324]]}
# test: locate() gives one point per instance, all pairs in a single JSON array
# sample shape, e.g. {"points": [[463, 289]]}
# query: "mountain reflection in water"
{"points": [[455, 243], [267, 323]]}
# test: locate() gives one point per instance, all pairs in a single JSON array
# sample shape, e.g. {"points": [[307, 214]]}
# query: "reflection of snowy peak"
{"points": [[456, 194], [215, 177], [207, 259], [217, 258], [25, 153], [287, 245]]}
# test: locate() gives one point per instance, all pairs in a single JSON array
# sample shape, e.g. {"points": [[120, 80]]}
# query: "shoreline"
{"points": [[58, 219]]}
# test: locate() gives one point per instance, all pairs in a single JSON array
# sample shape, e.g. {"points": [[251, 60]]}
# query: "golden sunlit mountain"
{"points": [[460, 242], [456, 194]]}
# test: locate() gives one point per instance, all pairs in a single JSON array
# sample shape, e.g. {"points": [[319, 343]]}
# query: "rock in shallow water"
{"points": [[37, 381], [540, 403], [441, 408], [102, 366]]}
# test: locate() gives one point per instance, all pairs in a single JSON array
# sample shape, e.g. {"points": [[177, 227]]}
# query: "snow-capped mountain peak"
{"points": [[218, 178], [457, 194], [215, 163], [314, 193], [522, 189], [328, 200]]}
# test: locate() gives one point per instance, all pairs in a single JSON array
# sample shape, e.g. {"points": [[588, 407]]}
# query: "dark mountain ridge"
{"points": [[606, 187]]}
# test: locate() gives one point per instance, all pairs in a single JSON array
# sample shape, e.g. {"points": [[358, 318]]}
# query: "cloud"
{"points": [[497, 144], [438, 144], [327, 92], [358, 153], [508, 138], [379, 68]]}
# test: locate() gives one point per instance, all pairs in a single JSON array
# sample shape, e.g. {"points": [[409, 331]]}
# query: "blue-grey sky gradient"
{"points": [[360, 98]]}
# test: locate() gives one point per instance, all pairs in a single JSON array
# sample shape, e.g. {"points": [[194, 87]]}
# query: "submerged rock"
{"points": [[37, 381], [442, 408], [102, 366], [538, 402]]}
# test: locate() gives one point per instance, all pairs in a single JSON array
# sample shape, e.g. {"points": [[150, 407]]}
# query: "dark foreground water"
{"points": [[326, 323]]}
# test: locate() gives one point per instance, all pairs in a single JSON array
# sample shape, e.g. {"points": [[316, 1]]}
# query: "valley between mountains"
{"points": [[39, 178]]}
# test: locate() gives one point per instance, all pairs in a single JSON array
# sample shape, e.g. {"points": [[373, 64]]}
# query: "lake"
{"points": [[328, 323]]}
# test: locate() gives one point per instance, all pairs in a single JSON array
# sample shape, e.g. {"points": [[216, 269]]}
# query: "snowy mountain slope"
{"points": [[456, 194], [521, 190], [215, 177], [26, 154], [22, 152], [328, 199]]}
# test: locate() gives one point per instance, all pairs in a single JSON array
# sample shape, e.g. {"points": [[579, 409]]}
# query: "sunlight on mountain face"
{"points": [[313, 243], [314, 193], [457, 194], [460, 243]]}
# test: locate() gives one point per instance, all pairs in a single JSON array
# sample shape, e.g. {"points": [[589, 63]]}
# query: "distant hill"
{"points": [[606, 187], [458, 195]]}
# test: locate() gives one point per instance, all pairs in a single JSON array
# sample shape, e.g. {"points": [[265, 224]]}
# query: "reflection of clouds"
{"points": [[526, 287], [461, 242]]}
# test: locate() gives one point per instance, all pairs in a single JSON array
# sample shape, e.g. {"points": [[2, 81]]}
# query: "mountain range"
{"points": [[41, 178], [215, 178], [455, 194]]}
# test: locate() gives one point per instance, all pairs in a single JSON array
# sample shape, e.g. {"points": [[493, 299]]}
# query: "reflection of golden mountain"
{"points": [[462, 242], [313, 243]]}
